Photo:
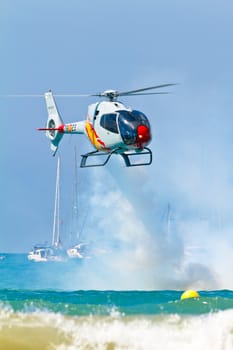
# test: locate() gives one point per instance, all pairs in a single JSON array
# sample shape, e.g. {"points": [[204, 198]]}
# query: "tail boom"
{"points": [[71, 128]]}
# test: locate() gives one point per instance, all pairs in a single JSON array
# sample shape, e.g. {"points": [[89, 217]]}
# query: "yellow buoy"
{"points": [[189, 294]]}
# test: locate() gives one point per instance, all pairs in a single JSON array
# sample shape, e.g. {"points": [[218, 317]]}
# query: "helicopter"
{"points": [[110, 126]]}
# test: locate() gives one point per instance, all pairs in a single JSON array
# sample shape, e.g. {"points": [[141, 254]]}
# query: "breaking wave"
{"points": [[49, 331]]}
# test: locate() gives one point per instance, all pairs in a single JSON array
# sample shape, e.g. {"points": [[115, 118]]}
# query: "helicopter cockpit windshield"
{"points": [[134, 127]]}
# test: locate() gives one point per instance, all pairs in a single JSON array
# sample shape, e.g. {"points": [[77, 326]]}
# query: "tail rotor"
{"points": [[55, 126]]}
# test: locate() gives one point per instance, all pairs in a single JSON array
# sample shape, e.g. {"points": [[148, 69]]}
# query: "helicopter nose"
{"points": [[143, 135]]}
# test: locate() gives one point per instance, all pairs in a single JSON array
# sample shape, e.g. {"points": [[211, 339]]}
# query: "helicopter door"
{"points": [[108, 122]]}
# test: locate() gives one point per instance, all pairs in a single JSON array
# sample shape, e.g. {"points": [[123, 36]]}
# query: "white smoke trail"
{"points": [[139, 252]]}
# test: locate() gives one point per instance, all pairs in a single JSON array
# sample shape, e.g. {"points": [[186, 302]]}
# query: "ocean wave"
{"points": [[84, 303], [53, 331]]}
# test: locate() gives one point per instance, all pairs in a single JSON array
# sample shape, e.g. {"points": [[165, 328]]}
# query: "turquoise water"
{"points": [[38, 312], [125, 303]]}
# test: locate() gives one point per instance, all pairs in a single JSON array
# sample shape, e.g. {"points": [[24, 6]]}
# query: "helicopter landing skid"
{"points": [[95, 154], [125, 156], [128, 163]]}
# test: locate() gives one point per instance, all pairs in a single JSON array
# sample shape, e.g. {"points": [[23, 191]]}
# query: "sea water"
{"points": [[40, 310]]}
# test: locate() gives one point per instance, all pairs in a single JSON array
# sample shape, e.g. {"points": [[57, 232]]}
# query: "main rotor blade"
{"points": [[145, 89], [72, 95], [147, 93], [23, 95], [42, 95], [103, 94]]}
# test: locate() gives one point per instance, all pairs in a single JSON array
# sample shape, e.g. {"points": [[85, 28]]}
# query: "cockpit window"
{"points": [[141, 117], [134, 117], [108, 121], [129, 121]]}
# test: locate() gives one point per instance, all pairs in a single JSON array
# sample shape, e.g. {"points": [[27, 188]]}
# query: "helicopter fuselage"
{"points": [[110, 125]]}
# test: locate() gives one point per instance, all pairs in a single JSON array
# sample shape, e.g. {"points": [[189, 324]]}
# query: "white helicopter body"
{"points": [[111, 127]]}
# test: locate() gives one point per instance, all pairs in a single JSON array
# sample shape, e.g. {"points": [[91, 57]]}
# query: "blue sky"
{"points": [[88, 47]]}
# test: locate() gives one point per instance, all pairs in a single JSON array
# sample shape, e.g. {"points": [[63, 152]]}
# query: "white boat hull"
{"points": [[43, 254]]}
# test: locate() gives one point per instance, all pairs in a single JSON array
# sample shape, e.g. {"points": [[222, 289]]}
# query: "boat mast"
{"points": [[56, 218], [74, 221]]}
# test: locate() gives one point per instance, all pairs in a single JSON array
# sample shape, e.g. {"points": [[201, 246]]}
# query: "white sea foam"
{"points": [[54, 331], [211, 332]]}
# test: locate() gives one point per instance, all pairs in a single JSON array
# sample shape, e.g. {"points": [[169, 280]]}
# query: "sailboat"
{"points": [[53, 252], [56, 241], [78, 250]]}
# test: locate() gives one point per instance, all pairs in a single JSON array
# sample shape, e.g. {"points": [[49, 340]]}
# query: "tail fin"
{"points": [[54, 124]]}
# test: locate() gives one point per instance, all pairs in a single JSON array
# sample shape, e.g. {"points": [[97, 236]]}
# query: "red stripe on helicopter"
{"points": [[60, 129]]}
